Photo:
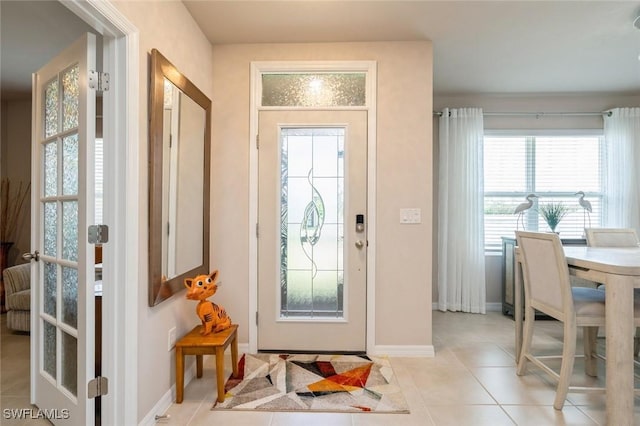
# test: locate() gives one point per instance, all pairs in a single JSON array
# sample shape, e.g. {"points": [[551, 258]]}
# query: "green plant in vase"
{"points": [[553, 213]]}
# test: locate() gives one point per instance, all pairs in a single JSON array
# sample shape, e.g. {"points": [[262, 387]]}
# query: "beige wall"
{"points": [[404, 178], [16, 164], [168, 27], [586, 102]]}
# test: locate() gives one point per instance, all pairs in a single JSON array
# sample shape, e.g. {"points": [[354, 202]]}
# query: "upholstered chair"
{"points": [[548, 289], [17, 283]]}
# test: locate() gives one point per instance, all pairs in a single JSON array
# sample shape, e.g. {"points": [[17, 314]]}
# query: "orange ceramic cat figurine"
{"points": [[214, 318]]}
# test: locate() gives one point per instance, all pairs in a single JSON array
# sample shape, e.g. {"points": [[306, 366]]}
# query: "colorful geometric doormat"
{"points": [[332, 383]]}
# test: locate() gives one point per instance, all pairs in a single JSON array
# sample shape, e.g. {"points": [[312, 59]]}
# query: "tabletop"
{"points": [[619, 261]]}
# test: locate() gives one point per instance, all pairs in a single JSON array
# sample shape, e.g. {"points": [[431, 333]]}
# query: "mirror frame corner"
{"points": [[160, 288]]}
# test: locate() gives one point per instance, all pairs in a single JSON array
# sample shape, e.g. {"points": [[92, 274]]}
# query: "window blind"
{"points": [[554, 168]]}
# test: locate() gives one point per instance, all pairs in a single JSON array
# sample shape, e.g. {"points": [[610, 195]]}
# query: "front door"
{"points": [[62, 335], [312, 240]]}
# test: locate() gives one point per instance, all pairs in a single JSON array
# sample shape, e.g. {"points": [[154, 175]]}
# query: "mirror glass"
{"points": [[178, 180]]}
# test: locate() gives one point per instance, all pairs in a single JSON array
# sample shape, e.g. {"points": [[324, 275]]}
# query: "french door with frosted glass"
{"points": [[62, 335], [312, 244]]}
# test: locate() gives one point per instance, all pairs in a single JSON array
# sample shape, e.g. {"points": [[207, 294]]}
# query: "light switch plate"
{"points": [[410, 216]]}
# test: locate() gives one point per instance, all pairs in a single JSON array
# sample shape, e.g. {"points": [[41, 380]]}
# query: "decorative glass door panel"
{"points": [[312, 228], [59, 202], [64, 113], [312, 274]]}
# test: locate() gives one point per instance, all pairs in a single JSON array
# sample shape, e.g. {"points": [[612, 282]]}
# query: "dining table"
{"points": [[619, 270]]}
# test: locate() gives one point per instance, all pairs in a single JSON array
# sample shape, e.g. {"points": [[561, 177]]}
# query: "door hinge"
{"points": [[99, 81], [257, 231], [258, 141], [98, 234], [256, 317], [98, 387]]}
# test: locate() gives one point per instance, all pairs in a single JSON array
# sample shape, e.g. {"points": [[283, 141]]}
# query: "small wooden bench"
{"points": [[212, 344]]}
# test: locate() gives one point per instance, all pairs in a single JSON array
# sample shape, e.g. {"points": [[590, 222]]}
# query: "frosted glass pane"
{"points": [[314, 90], [340, 200], [70, 97], [299, 191], [70, 165], [50, 228], [329, 188], [70, 296], [311, 216], [49, 349], [325, 292], [325, 159], [298, 295], [70, 230], [50, 286], [340, 287], [296, 259], [50, 169], [341, 155], [298, 147], [70, 363], [51, 108], [325, 252]]}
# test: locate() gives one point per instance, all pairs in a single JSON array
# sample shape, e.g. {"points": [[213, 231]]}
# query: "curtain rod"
{"points": [[538, 114]]}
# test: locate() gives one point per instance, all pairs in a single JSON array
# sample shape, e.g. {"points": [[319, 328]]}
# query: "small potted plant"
{"points": [[553, 213]]}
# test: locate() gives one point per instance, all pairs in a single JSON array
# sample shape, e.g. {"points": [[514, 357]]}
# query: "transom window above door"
{"points": [[312, 89]]}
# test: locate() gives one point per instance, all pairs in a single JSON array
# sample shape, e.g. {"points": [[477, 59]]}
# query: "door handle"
{"points": [[359, 244], [31, 256]]}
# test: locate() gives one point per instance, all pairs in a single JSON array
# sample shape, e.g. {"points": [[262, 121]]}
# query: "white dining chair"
{"points": [[615, 237], [611, 237], [548, 290]]}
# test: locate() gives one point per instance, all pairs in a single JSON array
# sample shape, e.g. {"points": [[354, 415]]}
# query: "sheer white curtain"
{"points": [[622, 181], [461, 281]]}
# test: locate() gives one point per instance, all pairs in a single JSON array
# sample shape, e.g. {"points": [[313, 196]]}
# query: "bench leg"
{"points": [[199, 362], [179, 375], [234, 354], [220, 372]]}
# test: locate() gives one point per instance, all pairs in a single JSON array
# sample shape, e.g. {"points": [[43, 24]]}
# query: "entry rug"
{"points": [[331, 383]]}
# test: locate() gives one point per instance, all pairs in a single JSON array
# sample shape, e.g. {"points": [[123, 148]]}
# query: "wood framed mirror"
{"points": [[179, 176]]}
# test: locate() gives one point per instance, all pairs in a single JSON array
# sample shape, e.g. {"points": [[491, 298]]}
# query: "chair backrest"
{"points": [[546, 274], [611, 237], [17, 278]]}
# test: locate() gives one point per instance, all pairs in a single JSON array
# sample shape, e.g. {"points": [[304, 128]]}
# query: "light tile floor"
{"points": [[470, 381]]}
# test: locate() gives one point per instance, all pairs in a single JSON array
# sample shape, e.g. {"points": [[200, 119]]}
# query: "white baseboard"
{"points": [[411, 351], [168, 398], [494, 307], [243, 348], [489, 307]]}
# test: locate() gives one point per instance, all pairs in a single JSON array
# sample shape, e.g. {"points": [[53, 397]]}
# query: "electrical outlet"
{"points": [[172, 339]]}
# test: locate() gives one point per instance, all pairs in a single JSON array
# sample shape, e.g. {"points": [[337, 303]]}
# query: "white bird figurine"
{"points": [[523, 207], [586, 205]]}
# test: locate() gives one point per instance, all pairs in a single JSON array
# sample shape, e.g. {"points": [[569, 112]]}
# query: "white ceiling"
{"points": [[479, 46]]}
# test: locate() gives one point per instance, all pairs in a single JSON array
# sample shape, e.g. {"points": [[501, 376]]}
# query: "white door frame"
{"points": [[121, 208], [261, 67]]}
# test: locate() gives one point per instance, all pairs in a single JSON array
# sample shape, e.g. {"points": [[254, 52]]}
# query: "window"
{"points": [[554, 168]]}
